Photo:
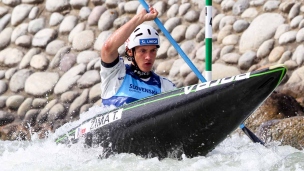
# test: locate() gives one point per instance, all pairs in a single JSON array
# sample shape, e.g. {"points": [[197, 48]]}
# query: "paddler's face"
{"points": [[145, 57]]}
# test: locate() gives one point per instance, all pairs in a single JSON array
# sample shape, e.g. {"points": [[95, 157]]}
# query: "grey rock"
{"points": [[3, 101], [67, 24], [294, 11], [232, 39], [43, 114], [3, 11], [183, 9], [172, 11], [57, 58], [288, 37], [294, 23], [226, 49], [58, 111], [10, 57], [69, 79], [131, 6], [246, 60], [86, 56], [171, 23], [285, 57], [265, 26], [286, 6], [227, 20], [19, 13], [271, 5], [19, 31], [240, 6], [25, 62], [76, 30], [227, 5], [6, 118], [55, 19], [276, 53], [77, 4], [298, 54], [88, 79], [106, 20], [39, 62], [67, 62], [281, 30], [3, 86], [4, 21], [81, 44], [69, 96], [43, 37], [5, 37], [17, 81], [95, 93], [39, 102], [56, 6], [14, 101], [192, 31], [54, 46], [300, 35], [24, 41], [231, 58], [84, 13], [250, 13], [30, 117], [191, 16], [240, 25], [178, 33], [41, 83], [10, 72], [77, 103], [118, 22], [36, 25], [265, 48], [24, 107], [33, 13], [95, 15]]}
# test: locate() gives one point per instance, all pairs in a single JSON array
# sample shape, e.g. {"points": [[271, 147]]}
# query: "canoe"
{"points": [[191, 120]]}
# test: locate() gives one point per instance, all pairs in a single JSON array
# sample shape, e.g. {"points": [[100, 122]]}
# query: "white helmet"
{"points": [[143, 35]]}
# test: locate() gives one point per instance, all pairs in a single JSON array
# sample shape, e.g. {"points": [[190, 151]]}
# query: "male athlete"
{"points": [[122, 83]]}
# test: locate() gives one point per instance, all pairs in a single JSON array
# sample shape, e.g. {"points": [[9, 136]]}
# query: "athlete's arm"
{"points": [[109, 52]]}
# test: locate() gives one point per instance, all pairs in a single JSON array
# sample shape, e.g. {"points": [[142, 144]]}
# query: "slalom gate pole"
{"points": [[175, 45], [208, 40]]}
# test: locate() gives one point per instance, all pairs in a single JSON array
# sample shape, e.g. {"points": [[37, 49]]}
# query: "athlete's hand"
{"points": [[147, 16]]}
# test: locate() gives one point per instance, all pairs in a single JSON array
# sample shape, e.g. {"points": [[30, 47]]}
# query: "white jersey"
{"points": [[113, 77]]}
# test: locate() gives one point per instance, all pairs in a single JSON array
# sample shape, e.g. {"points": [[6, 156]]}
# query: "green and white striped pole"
{"points": [[208, 40]]}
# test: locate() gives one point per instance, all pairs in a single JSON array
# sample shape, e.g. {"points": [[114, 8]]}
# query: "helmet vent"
{"points": [[136, 30], [149, 31], [139, 34]]}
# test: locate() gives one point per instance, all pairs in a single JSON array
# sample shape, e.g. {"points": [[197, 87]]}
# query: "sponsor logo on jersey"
{"points": [[152, 41], [208, 84], [136, 88]]}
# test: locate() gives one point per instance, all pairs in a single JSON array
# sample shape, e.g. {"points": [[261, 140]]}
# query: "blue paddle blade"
{"points": [[251, 135]]}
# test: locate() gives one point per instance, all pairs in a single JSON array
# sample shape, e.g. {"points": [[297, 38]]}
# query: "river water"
{"points": [[235, 153]]}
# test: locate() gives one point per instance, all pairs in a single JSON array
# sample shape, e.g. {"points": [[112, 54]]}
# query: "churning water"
{"points": [[236, 153]]}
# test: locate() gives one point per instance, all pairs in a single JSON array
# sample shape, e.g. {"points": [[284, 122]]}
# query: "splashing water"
{"points": [[236, 153]]}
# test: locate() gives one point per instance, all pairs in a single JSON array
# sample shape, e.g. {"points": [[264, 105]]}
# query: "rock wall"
{"points": [[50, 59]]}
